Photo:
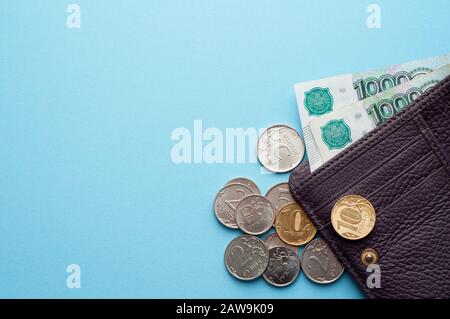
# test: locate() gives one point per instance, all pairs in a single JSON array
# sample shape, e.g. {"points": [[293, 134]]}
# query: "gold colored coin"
{"points": [[353, 217], [293, 226]]}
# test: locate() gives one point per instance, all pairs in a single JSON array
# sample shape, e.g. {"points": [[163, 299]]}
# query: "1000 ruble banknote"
{"points": [[318, 98], [335, 131]]}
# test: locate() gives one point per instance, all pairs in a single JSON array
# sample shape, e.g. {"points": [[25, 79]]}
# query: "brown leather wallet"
{"points": [[403, 169]]}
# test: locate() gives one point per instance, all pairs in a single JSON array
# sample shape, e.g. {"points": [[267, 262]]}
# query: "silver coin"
{"points": [[279, 196], [320, 264], [273, 241], [255, 215], [226, 202], [280, 149], [246, 257], [247, 182], [283, 268]]}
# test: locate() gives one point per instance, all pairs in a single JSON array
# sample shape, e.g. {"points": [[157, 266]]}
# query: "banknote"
{"points": [[335, 131], [320, 97]]}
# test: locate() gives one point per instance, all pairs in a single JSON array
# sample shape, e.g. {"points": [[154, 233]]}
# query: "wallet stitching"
{"points": [[400, 174], [436, 145], [374, 169], [328, 171], [408, 193], [366, 142], [404, 172]]}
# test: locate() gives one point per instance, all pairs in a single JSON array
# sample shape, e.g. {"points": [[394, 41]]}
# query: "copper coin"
{"points": [[280, 195], [293, 226], [353, 217]]}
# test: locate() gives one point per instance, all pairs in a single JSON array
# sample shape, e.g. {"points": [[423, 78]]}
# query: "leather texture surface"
{"points": [[403, 169]]}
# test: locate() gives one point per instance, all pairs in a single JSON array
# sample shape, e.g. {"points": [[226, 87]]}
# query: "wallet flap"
{"points": [[402, 168]]}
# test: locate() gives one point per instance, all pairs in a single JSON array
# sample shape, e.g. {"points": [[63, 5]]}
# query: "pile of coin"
{"points": [[240, 205]]}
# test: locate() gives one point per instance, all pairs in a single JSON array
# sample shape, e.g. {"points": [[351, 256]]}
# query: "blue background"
{"points": [[86, 115]]}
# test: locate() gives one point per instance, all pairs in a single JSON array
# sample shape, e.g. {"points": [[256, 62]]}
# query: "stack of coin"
{"points": [[230, 196], [240, 205]]}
